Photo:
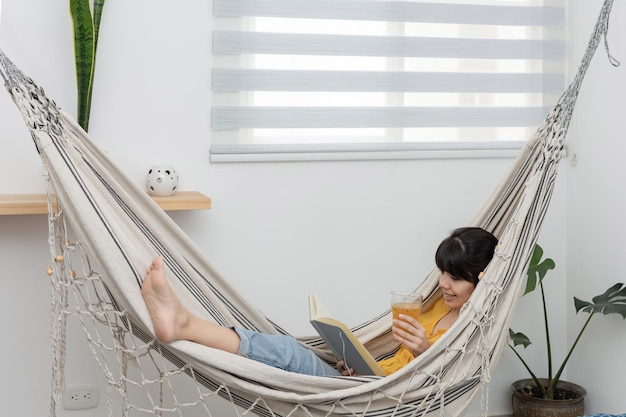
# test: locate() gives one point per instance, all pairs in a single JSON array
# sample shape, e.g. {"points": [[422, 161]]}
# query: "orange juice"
{"points": [[409, 309]]}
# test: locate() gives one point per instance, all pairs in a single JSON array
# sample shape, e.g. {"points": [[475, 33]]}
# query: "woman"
{"points": [[461, 257]]}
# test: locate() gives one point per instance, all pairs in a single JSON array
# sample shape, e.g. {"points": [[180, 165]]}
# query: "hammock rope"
{"points": [[104, 230]]}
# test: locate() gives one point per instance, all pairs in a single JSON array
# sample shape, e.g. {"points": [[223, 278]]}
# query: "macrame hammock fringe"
{"points": [[96, 278]]}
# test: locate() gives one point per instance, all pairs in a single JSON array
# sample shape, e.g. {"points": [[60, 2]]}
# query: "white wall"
{"points": [[596, 204], [348, 231]]}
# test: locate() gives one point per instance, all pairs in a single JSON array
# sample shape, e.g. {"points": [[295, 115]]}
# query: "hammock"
{"points": [[119, 230]]}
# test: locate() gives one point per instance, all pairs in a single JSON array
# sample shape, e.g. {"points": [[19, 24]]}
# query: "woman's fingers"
{"points": [[410, 333]]}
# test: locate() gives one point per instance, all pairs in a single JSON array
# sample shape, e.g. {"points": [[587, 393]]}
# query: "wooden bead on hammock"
{"points": [[49, 271], [59, 258]]}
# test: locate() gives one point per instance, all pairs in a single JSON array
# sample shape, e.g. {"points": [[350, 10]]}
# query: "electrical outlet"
{"points": [[80, 397]]}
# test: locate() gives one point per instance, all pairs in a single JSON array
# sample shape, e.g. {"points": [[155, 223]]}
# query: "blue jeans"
{"points": [[283, 352]]}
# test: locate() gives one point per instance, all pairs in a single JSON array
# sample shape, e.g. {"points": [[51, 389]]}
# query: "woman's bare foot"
{"points": [[172, 321], [168, 315]]}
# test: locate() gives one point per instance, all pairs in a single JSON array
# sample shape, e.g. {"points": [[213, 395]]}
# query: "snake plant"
{"points": [[86, 27]]}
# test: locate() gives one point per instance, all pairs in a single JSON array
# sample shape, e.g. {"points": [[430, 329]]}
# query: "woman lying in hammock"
{"points": [[461, 257]]}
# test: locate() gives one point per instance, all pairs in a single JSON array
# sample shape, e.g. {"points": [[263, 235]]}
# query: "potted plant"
{"points": [[85, 27], [537, 395]]}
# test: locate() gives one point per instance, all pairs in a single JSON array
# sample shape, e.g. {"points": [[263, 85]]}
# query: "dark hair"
{"points": [[466, 253]]}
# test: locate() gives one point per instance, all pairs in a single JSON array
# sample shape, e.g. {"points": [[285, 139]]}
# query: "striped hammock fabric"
{"points": [[119, 230]]}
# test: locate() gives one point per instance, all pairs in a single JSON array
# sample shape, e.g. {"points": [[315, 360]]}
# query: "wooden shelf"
{"points": [[38, 203], [184, 200]]}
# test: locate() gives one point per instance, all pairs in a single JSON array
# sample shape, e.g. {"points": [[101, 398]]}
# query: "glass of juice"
{"points": [[406, 302]]}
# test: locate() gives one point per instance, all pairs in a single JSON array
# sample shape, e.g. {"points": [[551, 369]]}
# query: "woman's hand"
{"points": [[345, 372], [411, 334]]}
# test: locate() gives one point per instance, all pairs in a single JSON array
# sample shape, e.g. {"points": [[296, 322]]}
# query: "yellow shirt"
{"points": [[429, 320]]}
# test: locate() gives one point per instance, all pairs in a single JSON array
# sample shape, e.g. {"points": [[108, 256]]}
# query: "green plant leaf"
{"points": [[537, 270], [613, 300], [519, 339], [84, 56], [98, 6]]}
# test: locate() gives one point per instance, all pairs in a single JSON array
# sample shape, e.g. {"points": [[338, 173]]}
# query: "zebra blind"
{"points": [[375, 75]]}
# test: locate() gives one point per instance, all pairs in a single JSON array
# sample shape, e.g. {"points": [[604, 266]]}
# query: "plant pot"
{"points": [[525, 405]]}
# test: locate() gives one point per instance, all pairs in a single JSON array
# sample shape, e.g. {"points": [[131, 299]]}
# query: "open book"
{"points": [[342, 341]]}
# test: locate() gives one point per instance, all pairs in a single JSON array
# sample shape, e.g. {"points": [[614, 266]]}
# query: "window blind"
{"points": [[375, 76]]}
